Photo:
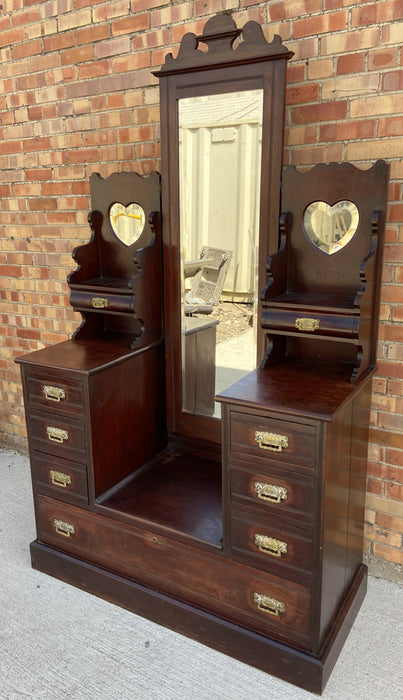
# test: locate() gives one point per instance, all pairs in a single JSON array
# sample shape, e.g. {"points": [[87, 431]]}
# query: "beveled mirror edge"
{"points": [[338, 241], [125, 211]]}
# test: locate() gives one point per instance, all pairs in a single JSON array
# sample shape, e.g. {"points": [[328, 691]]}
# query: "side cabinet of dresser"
{"points": [[56, 409], [294, 485], [82, 401]]}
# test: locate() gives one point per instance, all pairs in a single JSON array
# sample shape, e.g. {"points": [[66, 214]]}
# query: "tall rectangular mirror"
{"points": [[220, 142]]}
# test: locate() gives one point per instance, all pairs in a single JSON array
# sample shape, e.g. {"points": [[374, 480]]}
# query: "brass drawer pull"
{"points": [[63, 528], [268, 605], [99, 303], [60, 479], [307, 324], [56, 434], [270, 492], [268, 545], [54, 393], [271, 441]]}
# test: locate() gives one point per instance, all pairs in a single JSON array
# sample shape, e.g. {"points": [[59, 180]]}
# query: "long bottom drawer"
{"points": [[260, 601]]}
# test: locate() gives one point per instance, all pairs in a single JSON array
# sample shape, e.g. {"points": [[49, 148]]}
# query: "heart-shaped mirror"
{"points": [[127, 222], [330, 228]]}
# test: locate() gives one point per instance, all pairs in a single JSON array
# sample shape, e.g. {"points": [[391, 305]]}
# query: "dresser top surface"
{"points": [[304, 388], [85, 356]]}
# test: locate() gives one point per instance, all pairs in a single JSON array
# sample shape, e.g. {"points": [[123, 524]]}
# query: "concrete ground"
{"points": [[58, 643]]}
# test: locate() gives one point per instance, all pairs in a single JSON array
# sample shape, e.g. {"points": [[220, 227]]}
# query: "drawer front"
{"points": [[49, 391], [272, 493], [266, 603], [58, 435], [271, 544], [59, 478], [118, 303], [308, 323], [273, 440]]}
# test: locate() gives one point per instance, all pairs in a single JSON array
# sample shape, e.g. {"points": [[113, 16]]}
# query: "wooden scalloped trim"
{"points": [[220, 33]]}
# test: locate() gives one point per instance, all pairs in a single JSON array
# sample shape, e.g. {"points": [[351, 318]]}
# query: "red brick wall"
{"points": [[77, 96]]}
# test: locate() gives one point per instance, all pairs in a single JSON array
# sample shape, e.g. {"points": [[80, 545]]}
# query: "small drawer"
{"points": [[272, 493], [60, 479], [273, 439], [266, 603], [311, 323], [49, 391], [101, 302], [58, 435], [280, 607], [271, 544]]}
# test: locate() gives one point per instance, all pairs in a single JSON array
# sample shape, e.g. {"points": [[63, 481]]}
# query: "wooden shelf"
{"points": [[317, 304], [120, 285], [321, 302], [181, 494]]}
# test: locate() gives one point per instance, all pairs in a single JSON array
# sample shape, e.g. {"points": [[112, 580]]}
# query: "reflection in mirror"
{"points": [[127, 222], [220, 160], [331, 228]]}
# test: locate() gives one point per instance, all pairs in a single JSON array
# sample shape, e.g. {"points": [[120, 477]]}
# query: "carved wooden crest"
{"points": [[225, 44]]}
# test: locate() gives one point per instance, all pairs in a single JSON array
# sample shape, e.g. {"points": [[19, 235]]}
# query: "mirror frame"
{"points": [[228, 60]]}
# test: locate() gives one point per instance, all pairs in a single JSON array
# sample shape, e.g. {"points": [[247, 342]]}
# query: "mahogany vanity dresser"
{"points": [[238, 523]]}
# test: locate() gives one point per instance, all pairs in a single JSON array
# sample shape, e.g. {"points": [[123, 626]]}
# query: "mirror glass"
{"points": [[220, 160], [330, 228], [127, 222]]}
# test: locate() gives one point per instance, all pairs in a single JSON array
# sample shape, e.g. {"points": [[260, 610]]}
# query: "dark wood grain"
{"points": [[301, 388], [76, 357], [194, 574], [334, 509], [295, 564], [300, 492], [127, 401], [75, 491], [181, 492]]}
